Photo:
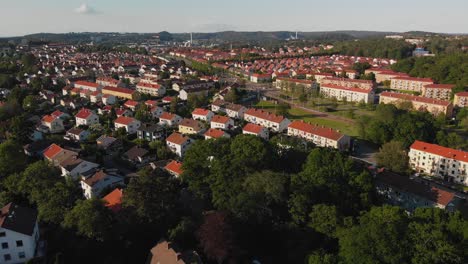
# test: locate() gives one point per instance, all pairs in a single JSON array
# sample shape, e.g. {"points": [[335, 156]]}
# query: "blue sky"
{"points": [[19, 17]]}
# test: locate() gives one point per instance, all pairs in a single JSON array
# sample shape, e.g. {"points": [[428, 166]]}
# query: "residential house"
{"points": [[166, 253], [109, 144], [51, 124], [94, 185], [259, 77], [108, 99], [319, 135], [86, 117], [123, 112], [184, 94], [75, 167], [56, 154], [178, 143], [151, 132], [138, 156], [113, 200], [131, 104], [169, 119], [19, 233], [118, 92], [156, 111], [349, 94], [130, 124], [256, 130], [174, 168], [190, 126], [461, 99], [438, 91], [235, 111], [77, 134], [202, 114], [410, 83], [346, 82], [87, 86], [276, 123], [151, 89], [222, 122], [215, 133]]}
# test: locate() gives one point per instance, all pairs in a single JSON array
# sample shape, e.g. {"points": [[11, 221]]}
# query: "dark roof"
{"points": [[135, 152], [17, 218], [405, 184], [150, 128]]}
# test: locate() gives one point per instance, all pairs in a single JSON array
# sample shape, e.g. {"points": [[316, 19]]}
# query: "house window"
{"points": [[7, 257], [2, 234], [19, 243], [5, 245], [21, 255]]}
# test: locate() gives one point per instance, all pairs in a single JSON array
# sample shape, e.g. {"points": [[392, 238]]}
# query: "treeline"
{"points": [[380, 48], [451, 68]]}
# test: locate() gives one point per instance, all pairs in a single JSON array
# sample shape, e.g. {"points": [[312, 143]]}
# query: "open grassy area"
{"points": [[299, 114]]}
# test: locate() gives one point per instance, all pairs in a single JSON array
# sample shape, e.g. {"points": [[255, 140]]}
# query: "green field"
{"points": [[299, 114]]}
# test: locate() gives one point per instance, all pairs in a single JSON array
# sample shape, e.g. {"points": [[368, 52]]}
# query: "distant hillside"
{"points": [[224, 36]]}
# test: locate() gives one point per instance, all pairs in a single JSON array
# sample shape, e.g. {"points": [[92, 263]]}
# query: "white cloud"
{"points": [[85, 9]]}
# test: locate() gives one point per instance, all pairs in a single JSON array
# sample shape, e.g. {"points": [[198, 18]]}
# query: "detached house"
{"points": [[222, 122], [130, 124], [51, 124], [178, 143], [56, 154], [76, 134], [138, 156], [74, 167], [151, 132], [86, 117], [202, 114], [235, 111], [174, 167], [19, 233], [190, 126], [168, 119], [215, 133], [93, 186], [256, 130]]}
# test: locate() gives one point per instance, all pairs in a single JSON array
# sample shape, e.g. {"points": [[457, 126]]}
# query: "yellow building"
{"points": [[118, 92]]}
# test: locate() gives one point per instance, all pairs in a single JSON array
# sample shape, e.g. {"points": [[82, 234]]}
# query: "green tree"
{"points": [[90, 218], [393, 156], [12, 158]]}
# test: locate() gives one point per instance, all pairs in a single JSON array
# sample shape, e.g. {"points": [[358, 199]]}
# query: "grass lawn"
{"points": [[299, 114]]}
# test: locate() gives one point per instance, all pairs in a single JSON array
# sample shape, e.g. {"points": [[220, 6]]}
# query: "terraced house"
{"points": [[319, 135], [276, 123]]}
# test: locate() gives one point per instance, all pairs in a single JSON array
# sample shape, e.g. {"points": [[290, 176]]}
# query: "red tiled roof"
{"points": [[117, 89], [52, 150], [95, 178], [265, 115], [177, 138], [348, 80], [214, 133], [48, 118], [414, 79], [167, 116], [149, 85], [443, 197], [151, 103], [56, 113], [439, 86], [85, 83], [175, 167], [464, 94], [339, 87], [131, 103], [200, 111], [114, 200], [440, 151], [124, 120], [253, 128], [415, 98], [84, 113], [316, 130], [167, 99], [220, 119]]}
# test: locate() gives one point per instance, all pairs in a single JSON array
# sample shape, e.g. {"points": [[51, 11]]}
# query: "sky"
{"points": [[20, 17]]}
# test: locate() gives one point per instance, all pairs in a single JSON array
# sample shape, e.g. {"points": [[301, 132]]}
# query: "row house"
{"points": [[178, 143], [344, 82], [151, 89], [118, 92], [419, 103], [86, 117], [107, 81], [410, 83], [438, 91], [130, 124], [87, 86], [288, 84], [320, 136], [434, 160], [276, 123], [461, 99], [350, 94], [256, 130]]}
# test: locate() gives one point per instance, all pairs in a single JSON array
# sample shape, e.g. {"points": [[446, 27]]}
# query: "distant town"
{"points": [[161, 148]]}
